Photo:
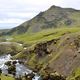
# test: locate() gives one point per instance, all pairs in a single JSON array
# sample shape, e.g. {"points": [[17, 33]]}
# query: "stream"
{"points": [[20, 68]]}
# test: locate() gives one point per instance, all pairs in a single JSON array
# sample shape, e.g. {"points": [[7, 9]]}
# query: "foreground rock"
{"points": [[10, 48]]}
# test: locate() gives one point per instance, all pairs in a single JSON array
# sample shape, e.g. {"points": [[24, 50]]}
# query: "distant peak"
{"points": [[54, 7], [58, 7]]}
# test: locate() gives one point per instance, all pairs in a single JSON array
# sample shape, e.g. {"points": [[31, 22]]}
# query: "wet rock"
{"points": [[20, 62], [53, 76], [12, 69], [14, 62], [0, 71], [8, 63], [29, 76], [19, 78]]}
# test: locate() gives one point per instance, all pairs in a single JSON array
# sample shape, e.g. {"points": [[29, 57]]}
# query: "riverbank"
{"points": [[4, 77]]}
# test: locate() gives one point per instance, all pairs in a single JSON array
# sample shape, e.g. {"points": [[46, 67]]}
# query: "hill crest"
{"points": [[52, 18]]}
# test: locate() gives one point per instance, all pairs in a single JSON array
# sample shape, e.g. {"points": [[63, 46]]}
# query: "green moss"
{"points": [[19, 56], [75, 74], [32, 61], [3, 77]]}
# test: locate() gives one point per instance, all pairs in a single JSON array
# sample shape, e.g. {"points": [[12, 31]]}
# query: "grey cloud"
{"points": [[26, 9]]}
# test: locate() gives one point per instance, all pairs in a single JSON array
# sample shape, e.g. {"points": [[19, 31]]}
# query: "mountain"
{"points": [[4, 30], [54, 17]]}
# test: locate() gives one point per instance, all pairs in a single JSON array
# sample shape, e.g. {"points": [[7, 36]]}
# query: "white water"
{"points": [[20, 68], [4, 59]]}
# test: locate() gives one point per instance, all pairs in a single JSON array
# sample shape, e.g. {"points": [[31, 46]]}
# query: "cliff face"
{"points": [[61, 55], [69, 55]]}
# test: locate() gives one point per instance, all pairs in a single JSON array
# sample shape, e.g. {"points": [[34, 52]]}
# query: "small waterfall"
{"points": [[20, 68], [4, 59]]}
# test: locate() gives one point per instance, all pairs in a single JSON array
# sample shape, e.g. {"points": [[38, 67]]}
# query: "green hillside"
{"points": [[44, 35], [51, 47]]}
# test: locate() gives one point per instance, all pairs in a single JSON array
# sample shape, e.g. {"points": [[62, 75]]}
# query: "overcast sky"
{"points": [[15, 12]]}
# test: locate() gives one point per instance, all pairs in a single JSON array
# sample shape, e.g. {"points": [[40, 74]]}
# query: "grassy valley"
{"points": [[44, 35]]}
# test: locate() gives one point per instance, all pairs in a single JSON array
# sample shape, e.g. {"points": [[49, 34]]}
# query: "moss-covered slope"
{"points": [[57, 50]]}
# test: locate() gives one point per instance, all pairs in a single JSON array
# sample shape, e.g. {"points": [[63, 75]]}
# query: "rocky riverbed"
{"points": [[21, 70]]}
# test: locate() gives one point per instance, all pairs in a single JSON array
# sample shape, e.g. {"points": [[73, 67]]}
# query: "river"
{"points": [[20, 68]]}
